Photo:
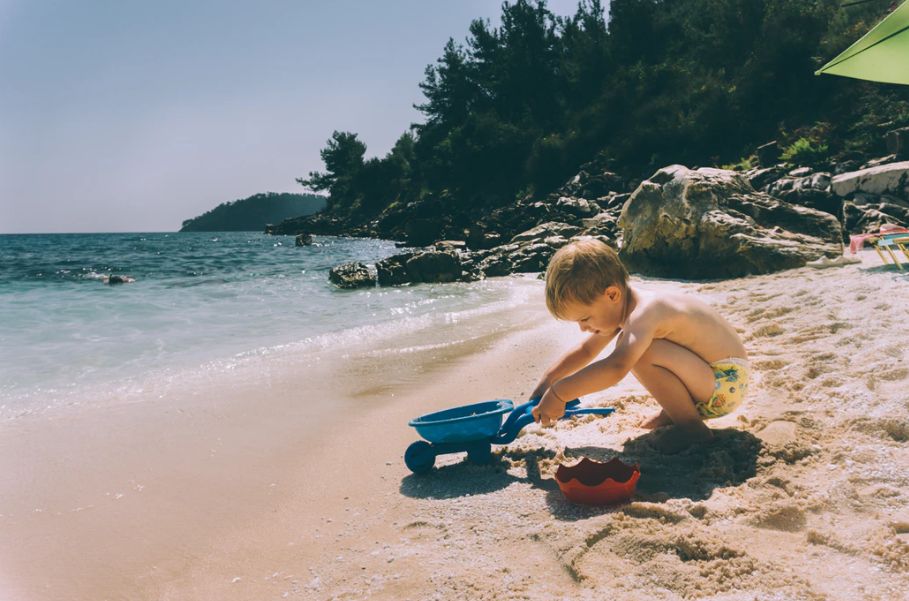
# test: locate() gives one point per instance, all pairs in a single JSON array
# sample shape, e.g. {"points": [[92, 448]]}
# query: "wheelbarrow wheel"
{"points": [[420, 457], [480, 454]]}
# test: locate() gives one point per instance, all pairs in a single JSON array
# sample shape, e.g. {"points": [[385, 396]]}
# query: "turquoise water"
{"points": [[200, 301]]}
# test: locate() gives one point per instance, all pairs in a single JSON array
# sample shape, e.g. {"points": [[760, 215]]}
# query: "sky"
{"points": [[133, 115]]}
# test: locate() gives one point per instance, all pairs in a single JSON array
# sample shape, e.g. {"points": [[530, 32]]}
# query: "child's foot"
{"points": [[657, 420], [677, 438]]}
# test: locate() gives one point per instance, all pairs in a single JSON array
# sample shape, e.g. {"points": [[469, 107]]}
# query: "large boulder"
{"points": [[710, 223], [892, 178], [351, 275]]}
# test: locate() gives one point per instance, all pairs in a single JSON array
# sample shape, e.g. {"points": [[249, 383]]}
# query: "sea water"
{"points": [[204, 303]]}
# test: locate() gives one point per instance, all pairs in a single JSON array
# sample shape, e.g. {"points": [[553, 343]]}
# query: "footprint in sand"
{"points": [[778, 433], [787, 517], [767, 331], [771, 364], [769, 312], [885, 375], [887, 427]]}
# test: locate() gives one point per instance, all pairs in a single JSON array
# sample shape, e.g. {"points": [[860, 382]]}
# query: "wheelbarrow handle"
{"points": [[521, 416], [589, 411]]}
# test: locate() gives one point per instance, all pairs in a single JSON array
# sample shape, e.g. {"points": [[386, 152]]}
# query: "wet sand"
{"points": [[801, 495]]}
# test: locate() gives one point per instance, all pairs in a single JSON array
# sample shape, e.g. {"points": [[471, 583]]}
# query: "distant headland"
{"points": [[255, 212]]}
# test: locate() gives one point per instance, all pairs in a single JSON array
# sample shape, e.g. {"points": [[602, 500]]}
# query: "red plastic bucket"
{"points": [[594, 483]]}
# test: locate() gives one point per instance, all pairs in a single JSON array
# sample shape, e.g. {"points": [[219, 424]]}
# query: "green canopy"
{"points": [[882, 54]]}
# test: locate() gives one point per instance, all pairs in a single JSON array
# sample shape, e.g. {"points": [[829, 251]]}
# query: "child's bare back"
{"points": [[683, 352], [688, 322]]}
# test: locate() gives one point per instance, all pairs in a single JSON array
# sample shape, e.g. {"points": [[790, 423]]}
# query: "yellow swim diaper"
{"points": [[730, 385]]}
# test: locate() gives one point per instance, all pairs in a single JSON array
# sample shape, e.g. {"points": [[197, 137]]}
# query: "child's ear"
{"points": [[613, 293]]}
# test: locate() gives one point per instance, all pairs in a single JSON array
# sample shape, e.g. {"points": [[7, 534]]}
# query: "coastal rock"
{"points": [[579, 207], [351, 275], [303, 240], [897, 141], [545, 230], [613, 201], [479, 238], [867, 212], [892, 178], [884, 160], [433, 266], [450, 245], [801, 172], [761, 178], [320, 223], [531, 257], [711, 223], [810, 190], [393, 270], [604, 223], [592, 181], [428, 266], [495, 265]]}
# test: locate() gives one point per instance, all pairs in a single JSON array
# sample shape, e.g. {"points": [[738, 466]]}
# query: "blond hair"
{"points": [[580, 272]]}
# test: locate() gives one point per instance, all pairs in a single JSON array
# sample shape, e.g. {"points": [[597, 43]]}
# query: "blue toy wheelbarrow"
{"points": [[474, 429]]}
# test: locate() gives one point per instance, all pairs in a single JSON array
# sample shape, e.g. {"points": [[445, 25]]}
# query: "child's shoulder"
{"points": [[656, 307]]}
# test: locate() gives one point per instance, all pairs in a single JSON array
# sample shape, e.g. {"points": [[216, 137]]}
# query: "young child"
{"points": [[683, 352]]}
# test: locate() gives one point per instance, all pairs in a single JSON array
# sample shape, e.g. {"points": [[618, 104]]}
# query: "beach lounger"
{"points": [[887, 243]]}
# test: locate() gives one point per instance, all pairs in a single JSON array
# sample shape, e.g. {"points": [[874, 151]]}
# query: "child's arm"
{"points": [[572, 361], [610, 371], [600, 374]]}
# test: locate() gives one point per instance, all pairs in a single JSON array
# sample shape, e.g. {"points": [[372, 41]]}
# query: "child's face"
{"points": [[602, 316]]}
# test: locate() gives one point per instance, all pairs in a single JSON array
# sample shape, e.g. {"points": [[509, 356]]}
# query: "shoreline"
{"points": [[810, 472], [92, 477]]}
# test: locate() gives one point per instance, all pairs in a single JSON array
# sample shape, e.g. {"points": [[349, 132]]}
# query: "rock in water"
{"points": [[351, 275], [392, 271], [434, 266], [303, 240]]}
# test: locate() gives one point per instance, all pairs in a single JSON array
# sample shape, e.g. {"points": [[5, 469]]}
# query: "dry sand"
{"points": [[801, 496]]}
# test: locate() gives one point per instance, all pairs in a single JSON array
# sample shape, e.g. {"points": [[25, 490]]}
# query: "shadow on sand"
{"points": [[466, 478], [728, 460]]}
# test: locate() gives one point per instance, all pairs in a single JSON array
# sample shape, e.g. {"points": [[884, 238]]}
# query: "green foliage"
{"points": [[253, 213], [519, 107], [805, 152], [744, 164], [343, 158]]}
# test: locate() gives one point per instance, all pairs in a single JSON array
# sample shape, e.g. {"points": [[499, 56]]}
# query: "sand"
{"points": [[801, 495]]}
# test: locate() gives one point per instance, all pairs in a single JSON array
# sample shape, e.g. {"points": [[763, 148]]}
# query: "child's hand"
{"points": [[549, 410]]}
